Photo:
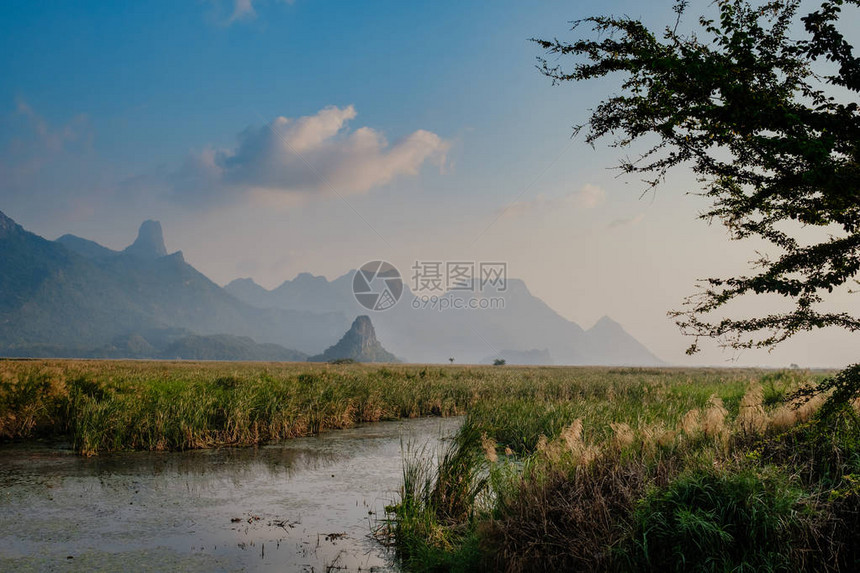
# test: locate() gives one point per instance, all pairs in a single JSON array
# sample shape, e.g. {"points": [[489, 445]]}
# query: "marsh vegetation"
{"points": [[641, 470], [554, 468]]}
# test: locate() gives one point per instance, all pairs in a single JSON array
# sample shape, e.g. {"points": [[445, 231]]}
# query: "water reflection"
{"points": [[303, 505]]}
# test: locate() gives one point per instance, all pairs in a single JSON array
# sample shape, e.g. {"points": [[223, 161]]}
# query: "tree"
{"points": [[770, 125]]}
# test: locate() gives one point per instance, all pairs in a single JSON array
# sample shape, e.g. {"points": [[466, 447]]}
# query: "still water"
{"points": [[308, 504]]}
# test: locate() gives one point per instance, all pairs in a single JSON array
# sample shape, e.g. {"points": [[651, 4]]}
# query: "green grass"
{"points": [[104, 406], [713, 520], [643, 470]]}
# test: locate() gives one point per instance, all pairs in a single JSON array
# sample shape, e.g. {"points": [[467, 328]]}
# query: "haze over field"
{"points": [[295, 141]]}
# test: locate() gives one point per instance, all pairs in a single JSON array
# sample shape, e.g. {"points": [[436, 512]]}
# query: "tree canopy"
{"points": [[760, 101]]}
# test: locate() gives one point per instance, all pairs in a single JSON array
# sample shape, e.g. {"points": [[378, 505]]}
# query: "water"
{"points": [[308, 504]]}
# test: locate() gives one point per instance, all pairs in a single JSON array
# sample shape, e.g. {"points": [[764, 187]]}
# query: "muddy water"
{"points": [[305, 505]]}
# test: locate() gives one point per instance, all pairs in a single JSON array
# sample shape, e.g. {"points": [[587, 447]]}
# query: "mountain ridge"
{"points": [[526, 323], [86, 248], [73, 296], [55, 297]]}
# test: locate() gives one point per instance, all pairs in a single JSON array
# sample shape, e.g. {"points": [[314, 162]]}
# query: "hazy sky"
{"points": [[272, 138]]}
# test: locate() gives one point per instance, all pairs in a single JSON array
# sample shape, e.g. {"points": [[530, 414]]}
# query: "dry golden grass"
{"points": [[714, 418], [489, 446], [752, 419]]}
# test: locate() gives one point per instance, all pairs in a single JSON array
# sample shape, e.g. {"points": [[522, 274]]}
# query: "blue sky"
{"points": [[144, 71], [429, 120]]}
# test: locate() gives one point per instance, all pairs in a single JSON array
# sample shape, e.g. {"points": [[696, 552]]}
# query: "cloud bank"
{"points": [[305, 157]]}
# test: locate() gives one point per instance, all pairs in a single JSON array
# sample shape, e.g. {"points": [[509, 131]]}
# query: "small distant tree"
{"points": [[499, 362], [768, 122]]}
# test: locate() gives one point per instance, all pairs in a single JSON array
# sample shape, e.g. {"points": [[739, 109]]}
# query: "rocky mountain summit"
{"points": [[358, 344], [149, 243]]}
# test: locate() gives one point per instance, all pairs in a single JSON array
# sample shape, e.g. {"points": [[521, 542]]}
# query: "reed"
{"points": [[643, 471], [104, 406]]}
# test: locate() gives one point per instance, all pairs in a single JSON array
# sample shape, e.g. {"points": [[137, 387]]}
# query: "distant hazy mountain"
{"points": [[607, 333], [72, 296], [86, 248], [358, 344], [127, 346], [179, 344], [305, 292], [228, 347], [420, 333]]}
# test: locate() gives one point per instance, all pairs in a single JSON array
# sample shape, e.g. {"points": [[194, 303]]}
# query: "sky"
{"points": [[277, 137]]}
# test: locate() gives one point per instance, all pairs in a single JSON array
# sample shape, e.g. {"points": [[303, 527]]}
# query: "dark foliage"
{"points": [[842, 389], [570, 521]]}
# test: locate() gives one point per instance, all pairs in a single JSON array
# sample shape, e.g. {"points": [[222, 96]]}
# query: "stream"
{"points": [[308, 504]]}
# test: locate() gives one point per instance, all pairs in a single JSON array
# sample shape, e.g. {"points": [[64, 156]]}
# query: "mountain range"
{"points": [[525, 331], [74, 297]]}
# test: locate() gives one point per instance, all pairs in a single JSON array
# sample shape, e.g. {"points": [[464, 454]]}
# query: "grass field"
{"points": [[554, 468], [104, 406]]}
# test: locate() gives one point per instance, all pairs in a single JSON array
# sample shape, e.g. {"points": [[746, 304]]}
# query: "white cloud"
{"points": [[242, 9], [310, 156], [54, 138], [587, 197]]}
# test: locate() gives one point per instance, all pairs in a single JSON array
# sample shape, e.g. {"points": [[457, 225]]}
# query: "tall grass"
{"points": [[102, 406], [439, 497], [721, 471], [110, 406]]}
